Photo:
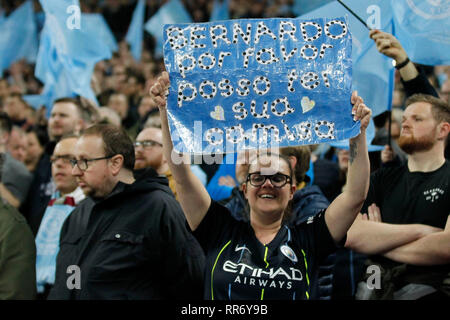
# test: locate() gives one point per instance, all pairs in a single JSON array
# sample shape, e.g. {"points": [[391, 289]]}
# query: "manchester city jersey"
{"points": [[239, 266]]}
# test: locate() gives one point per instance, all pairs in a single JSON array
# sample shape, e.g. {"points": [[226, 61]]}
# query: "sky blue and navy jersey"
{"points": [[238, 266]]}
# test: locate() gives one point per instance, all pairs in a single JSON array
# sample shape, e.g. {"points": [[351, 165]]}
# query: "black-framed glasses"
{"points": [[146, 144], [66, 159], [278, 180], [82, 164]]}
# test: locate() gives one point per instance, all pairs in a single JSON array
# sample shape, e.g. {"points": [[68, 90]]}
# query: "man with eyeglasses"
{"points": [[148, 151], [67, 117], [128, 238], [63, 201]]}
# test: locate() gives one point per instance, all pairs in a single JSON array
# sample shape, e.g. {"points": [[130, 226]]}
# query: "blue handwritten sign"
{"points": [[256, 83]]}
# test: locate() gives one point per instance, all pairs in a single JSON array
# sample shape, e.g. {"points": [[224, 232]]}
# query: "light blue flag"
{"points": [[58, 80], [37, 100], [423, 28], [172, 12], [373, 73], [68, 52], [96, 23], [135, 34], [18, 36], [221, 10], [63, 18]]}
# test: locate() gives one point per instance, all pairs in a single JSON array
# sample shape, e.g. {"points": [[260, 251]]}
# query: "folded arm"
{"points": [[369, 235], [433, 249]]}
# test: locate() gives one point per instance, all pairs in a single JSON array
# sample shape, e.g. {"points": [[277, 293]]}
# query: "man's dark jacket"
{"points": [[133, 244]]}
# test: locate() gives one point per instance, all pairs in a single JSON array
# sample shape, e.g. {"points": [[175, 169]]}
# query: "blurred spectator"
{"points": [[326, 175], [119, 103], [134, 88], [108, 115], [153, 120], [16, 179], [66, 117], [67, 195], [398, 98], [16, 108], [4, 92], [145, 106], [17, 144], [17, 253], [392, 154], [445, 91]]}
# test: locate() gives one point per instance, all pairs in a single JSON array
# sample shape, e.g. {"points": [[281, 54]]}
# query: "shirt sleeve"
{"points": [[419, 84]]}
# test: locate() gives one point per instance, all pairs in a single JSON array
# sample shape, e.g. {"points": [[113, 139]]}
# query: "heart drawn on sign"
{"points": [[307, 104], [218, 113]]}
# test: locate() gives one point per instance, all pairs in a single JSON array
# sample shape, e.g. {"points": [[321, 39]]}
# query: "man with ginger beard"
{"points": [[405, 225], [148, 150]]}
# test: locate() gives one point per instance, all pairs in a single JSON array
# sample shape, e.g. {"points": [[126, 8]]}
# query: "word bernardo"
{"points": [[295, 42]]}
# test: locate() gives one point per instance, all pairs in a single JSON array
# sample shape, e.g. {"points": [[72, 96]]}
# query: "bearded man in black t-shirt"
{"points": [[406, 226]]}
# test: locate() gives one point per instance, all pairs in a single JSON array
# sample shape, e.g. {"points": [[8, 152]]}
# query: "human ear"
{"points": [[244, 189], [293, 189], [443, 130]]}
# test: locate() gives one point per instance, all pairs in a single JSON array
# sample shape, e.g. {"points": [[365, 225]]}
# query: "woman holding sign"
{"points": [[265, 258]]}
